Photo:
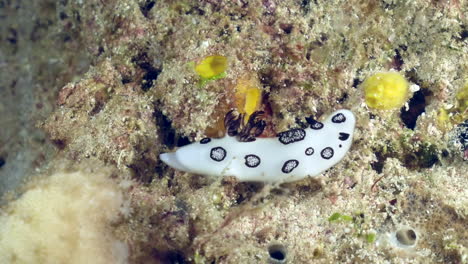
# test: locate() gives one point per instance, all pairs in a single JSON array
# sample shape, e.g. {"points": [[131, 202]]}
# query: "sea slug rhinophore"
{"points": [[291, 156]]}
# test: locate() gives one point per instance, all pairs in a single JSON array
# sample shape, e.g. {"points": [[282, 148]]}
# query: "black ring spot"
{"points": [[309, 151], [252, 160], [317, 126], [314, 124], [205, 140], [217, 154], [338, 118], [291, 136], [327, 153], [289, 166], [343, 136]]}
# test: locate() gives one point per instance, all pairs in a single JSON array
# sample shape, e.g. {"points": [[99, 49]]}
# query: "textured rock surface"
{"points": [[141, 96]]}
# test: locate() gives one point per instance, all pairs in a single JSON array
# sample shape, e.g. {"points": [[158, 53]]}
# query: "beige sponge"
{"points": [[64, 218]]}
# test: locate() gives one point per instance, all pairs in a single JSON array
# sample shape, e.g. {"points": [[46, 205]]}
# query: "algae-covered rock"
{"points": [[399, 196]]}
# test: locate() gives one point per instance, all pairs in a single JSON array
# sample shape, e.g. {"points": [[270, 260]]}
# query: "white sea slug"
{"points": [[291, 156]]}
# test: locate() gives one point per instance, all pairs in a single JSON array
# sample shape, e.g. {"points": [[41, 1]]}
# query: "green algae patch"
{"points": [[203, 81], [340, 217], [370, 238]]}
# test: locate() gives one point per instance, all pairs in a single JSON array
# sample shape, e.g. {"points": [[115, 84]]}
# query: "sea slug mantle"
{"points": [[291, 156]]}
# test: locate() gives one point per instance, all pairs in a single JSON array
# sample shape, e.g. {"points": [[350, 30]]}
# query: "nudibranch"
{"points": [[290, 156]]}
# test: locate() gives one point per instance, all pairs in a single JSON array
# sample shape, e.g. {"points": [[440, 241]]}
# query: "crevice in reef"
{"points": [[146, 7], [167, 133], [417, 106], [379, 163], [151, 72], [423, 157]]}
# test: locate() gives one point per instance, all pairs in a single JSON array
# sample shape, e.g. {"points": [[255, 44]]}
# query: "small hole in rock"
{"points": [[463, 33], [343, 98], [182, 141], [2, 162], [379, 163], [305, 6], [287, 28], [101, 50], [175, 257], [397, 62], [167, 133], [63, 15], [146, 7], [411, 234], [317, 252], [417, 105], [60, 144], [247, 190], [277, 253], [126, 80], [151, 72], [406, 236], [356, 82]]}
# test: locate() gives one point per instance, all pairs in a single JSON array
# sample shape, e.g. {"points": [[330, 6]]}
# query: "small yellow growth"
{"points": [[64, 218], [386, 90], [462, 98], [211, 66], [248, 96], [443, 118], [457, 114]]}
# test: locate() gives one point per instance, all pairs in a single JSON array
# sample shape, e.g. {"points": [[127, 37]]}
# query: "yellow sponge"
{"points": [[248, 95], [211, 66], [386, 90]]}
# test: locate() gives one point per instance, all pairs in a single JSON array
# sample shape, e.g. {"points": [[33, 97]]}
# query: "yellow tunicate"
{"points": [[248, 96], [386, 90], [211, 66]]}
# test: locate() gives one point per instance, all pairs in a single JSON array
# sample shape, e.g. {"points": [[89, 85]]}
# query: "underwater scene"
{"points": [[233, 131]]}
